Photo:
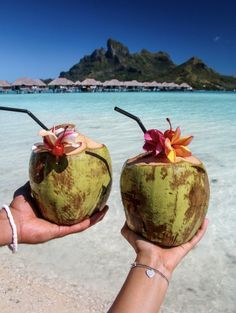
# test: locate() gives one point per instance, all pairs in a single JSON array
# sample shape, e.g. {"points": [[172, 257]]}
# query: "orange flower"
{"points": [[175, 145], [169, 144]]}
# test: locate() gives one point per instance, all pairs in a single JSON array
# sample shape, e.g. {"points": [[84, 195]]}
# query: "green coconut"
{"points": [[164, 202], [70, 188]]}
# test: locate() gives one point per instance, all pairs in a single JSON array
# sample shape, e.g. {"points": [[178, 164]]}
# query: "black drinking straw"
{"points": [[24, 111], [137, 119]]}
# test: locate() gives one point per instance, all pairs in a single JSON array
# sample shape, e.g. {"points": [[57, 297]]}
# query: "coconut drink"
{"points": [[70, 175], [165, 190]]}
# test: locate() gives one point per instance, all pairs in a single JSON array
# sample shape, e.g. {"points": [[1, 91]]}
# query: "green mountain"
{"points": [[117, 62], [200, 76]]}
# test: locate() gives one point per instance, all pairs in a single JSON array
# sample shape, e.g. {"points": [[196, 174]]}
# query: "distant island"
{"points": [[116, 62]]}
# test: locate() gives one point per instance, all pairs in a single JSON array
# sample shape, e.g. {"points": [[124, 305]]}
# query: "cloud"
{"points": [[216, 38]]}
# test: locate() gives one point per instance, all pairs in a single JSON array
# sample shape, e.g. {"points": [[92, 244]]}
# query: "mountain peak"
{"points": [[116, 62], [194, 59], [197, 64], [116, 48]]}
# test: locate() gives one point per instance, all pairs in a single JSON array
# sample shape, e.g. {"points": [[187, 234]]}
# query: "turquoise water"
{"points": [[210, 117]]}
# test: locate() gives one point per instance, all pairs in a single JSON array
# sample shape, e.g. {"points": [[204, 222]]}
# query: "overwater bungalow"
{"points": [[90, 84], [39, 86], [61, 84], [152, 86], [164, 86], [112, 85], [77, 85], [133, 85], [172, 86], [40, 83], [185, 86], [4, 86], [28, 85]]}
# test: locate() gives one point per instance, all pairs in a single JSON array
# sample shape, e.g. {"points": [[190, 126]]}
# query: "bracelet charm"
{"points": [[150, 271]]}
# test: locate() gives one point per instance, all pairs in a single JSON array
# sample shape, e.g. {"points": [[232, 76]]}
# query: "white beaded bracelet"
{"points": [[13, 245]]}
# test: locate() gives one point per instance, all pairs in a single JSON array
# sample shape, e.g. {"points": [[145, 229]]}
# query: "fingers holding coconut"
{"points": [[98, 217], [139, 243], [83, 225], [194, 241], [130, 236], [175, 255]]}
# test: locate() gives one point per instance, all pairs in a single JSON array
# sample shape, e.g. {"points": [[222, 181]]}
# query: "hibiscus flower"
{"points": [[154, 141]]}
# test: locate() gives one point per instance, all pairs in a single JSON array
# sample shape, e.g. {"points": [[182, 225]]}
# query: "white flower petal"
{"points": [[76, 145]]}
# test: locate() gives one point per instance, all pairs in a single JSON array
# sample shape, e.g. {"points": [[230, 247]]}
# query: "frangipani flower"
{"points": [[170, 143], [58, 140], [176, 146]]}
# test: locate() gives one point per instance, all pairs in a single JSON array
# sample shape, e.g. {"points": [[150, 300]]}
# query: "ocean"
{"points": [[100, 257]]}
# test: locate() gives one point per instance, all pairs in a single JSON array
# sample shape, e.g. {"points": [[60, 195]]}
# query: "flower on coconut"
{"points": [[170, 143], [154, 141], [58, 141]]}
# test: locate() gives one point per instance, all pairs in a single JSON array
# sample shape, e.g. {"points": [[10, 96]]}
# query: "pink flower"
{"points": [[169, 144], [154, 141]]}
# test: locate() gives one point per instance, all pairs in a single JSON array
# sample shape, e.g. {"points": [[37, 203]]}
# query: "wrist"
{"points": [[6, 231], [155, 261]]}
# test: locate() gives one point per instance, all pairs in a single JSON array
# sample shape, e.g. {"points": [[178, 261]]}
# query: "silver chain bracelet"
{"points": [[150, 271]]}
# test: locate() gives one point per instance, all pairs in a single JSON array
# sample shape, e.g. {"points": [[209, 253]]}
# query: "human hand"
{"points": [[156, 256], [32, 229]]}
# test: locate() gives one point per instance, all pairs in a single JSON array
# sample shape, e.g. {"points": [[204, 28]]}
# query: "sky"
{"points": [[39, 39]]}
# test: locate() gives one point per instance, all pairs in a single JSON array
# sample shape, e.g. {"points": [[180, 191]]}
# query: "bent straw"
{"points": [[24, 111], [137, 119]]}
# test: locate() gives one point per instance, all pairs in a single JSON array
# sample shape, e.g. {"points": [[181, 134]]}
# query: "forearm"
{"points": [[140, 293]]}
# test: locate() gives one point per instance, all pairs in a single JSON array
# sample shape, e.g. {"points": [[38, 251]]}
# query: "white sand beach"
{"points": [[23, 291]]}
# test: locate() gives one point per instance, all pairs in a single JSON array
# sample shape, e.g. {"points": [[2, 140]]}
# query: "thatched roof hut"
{"points": [[164, 85], [39, 83], [146, 84], [152, 84], [132, 83], [156, 84], [4, 84], [91, 82], [64, 82], [78, 83], [185, 86], [112, 83], [172, 86], [24, 82]]}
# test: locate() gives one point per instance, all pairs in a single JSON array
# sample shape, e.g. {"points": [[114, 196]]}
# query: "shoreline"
{"points": [[134, 92]]}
